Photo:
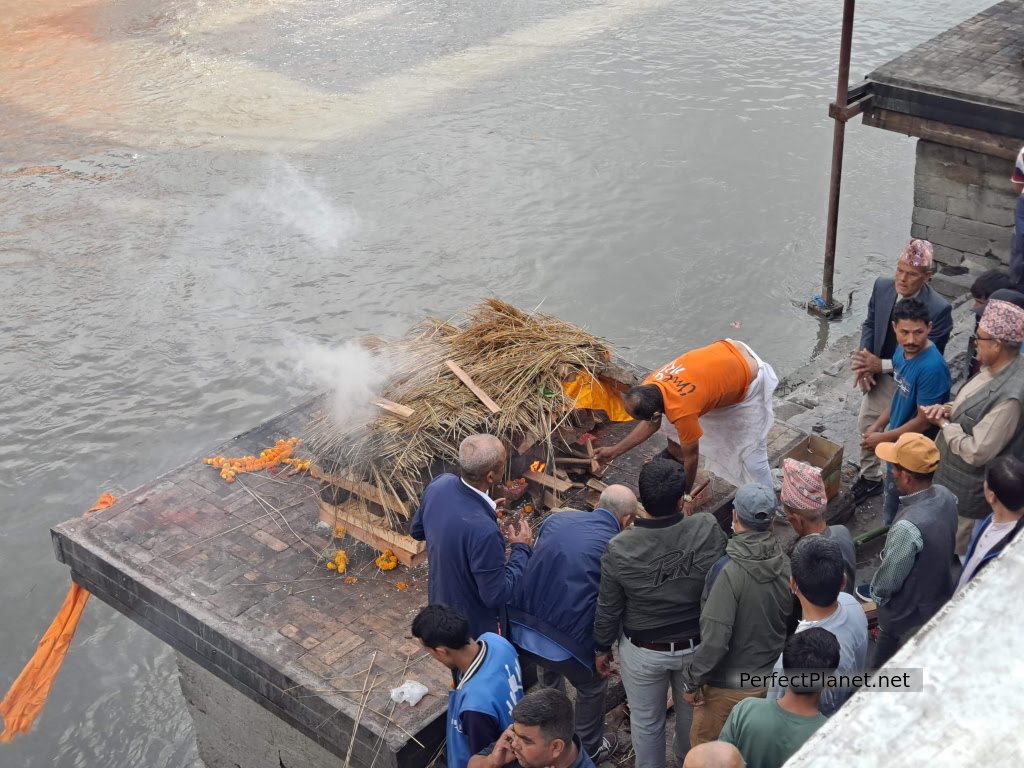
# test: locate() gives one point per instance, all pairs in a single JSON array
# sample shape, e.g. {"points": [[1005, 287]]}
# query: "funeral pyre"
{"points": [[532, 379]]}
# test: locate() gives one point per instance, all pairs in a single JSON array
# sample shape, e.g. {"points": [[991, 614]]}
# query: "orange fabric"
{"points": [[588, 392], [698, 382], [27, 696]]}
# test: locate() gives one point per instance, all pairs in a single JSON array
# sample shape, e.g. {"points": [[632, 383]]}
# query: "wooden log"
{"points": [[595, 466], [399, 410], [464, 377], [369, 528], [554, 483], [552, 500], [572, 461], [364, 489]]}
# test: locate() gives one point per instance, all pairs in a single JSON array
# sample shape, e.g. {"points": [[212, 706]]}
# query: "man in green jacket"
{"points": [[652, 577], [746, 604]]}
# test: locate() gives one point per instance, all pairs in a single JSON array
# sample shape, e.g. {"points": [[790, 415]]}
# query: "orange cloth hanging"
{"points": [[27, 696], [589, 392]]}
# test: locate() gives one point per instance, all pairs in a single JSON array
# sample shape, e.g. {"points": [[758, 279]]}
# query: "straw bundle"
{"points": [[519, 359]]}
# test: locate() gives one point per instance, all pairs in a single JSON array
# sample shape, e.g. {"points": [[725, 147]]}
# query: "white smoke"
{"points": [[352, 375]]}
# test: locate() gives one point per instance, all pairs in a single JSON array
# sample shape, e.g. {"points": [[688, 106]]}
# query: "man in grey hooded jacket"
{"points": [[746, 605]]}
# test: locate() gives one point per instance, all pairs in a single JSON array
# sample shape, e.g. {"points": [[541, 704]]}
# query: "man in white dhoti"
{"points": [[717, 402]]}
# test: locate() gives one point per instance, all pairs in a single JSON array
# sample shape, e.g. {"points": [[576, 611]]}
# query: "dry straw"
{"points": [[520, 359]]}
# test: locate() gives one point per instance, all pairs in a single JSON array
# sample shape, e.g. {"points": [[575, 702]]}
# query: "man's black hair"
{"points": [[921, 477], [645, 401], [438, 625], [1005, 478], [911, 309], [817, 568], [990, 281], [549, 709], [662, 484], [812, 649], [1008, 294]]}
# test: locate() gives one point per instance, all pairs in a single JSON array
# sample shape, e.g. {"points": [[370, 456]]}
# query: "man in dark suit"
{"points": [[465, 548], [872, 365]]}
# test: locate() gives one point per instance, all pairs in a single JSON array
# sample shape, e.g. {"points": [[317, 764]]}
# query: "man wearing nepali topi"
{"points": [[717, 401]]}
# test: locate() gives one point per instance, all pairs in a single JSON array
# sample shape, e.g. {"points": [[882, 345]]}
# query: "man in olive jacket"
{"points": [[747, 603], [652, 577]]}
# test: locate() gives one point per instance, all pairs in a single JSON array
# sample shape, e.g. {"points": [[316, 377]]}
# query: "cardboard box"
{"points": [[823, 454]]}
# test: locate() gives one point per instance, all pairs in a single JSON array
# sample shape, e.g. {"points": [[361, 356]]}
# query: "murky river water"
{"points": [[186, 188]]}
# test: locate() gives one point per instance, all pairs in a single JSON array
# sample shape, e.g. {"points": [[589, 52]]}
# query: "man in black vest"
{"points": [[872, 365], [915, 578]]}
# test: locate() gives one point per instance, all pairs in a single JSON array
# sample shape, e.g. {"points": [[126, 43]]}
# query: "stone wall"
{"points": [[963, 204]]}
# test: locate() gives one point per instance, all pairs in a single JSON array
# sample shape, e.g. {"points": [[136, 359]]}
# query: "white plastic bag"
{"points": [[410, 691]]}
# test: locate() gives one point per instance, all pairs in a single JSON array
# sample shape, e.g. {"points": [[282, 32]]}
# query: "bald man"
{"points": [[551, 617], [714, 754], [457, 518]]}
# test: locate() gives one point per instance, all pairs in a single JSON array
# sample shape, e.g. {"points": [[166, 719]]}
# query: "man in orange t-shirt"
{"points": [[721, 394]]}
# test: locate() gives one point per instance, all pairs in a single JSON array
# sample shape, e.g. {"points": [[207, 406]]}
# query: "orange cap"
{"points": [[912, 451]]}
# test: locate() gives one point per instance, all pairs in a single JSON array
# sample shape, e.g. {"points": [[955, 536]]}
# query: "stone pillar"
{"points": [[963, 204], [233, 731]]}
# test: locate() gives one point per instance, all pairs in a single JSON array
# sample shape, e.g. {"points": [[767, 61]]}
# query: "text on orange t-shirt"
{"points": [[699, 381]]}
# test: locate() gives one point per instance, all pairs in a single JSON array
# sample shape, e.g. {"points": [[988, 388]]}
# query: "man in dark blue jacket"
{"points": [[551, 616], [872, 364], [465, 549]]}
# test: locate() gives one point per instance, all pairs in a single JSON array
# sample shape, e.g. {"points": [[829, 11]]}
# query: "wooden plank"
{"points": [[399, 410], [464, 377], [362, 524], [367, 491], [552, 500], [596, 485], [554, 483]]}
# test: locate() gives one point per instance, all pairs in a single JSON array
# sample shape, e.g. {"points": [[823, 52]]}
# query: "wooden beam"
{"points": [[464, 377], [552, 500], [994, 144], [595, 466], [527, 443], [596, 485], [399, 410], [360, 488], [554, 483]]}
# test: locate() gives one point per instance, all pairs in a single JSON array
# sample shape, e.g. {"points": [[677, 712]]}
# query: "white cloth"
{"points": [[992, 536], [490, 502], [735, 441]]}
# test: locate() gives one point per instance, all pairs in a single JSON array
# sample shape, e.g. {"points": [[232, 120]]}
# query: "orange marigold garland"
{"points": [[281, 453]]}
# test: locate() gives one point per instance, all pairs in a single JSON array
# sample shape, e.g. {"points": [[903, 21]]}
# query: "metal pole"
{"points": [[838, 137]]}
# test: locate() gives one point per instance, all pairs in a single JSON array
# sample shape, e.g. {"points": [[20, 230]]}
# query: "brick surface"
{"points": [[978, 60]]}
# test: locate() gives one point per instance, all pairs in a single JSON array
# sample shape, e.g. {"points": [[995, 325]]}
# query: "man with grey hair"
{"points": [[465, 547], [551, 616]]}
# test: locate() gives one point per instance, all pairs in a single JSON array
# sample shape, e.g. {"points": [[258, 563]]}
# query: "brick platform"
{"points": [[227, 575]]}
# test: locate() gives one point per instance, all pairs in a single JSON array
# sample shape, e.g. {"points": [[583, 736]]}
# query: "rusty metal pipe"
{"points": [[838, 138]]}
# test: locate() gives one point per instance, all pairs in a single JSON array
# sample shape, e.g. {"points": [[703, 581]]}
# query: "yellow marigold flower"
{"points": [[332, 566], [339, 531], [387, 560], [340, 560]]}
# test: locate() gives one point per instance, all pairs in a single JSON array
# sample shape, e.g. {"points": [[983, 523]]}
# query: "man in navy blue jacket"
{"points": [[465, 548], [551, 616]]}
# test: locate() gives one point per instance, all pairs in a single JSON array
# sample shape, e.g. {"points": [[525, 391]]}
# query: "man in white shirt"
{"points": [[1004, 492]]}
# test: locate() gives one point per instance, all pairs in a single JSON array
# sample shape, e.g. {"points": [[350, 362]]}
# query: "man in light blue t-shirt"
{"points": [[818, 576], [922, 378]]}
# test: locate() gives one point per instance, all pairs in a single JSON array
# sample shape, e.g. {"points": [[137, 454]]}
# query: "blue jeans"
{"points": [[891, 505]]}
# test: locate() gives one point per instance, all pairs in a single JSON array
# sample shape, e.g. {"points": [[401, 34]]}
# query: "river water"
{"points": [[190, 189]]}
